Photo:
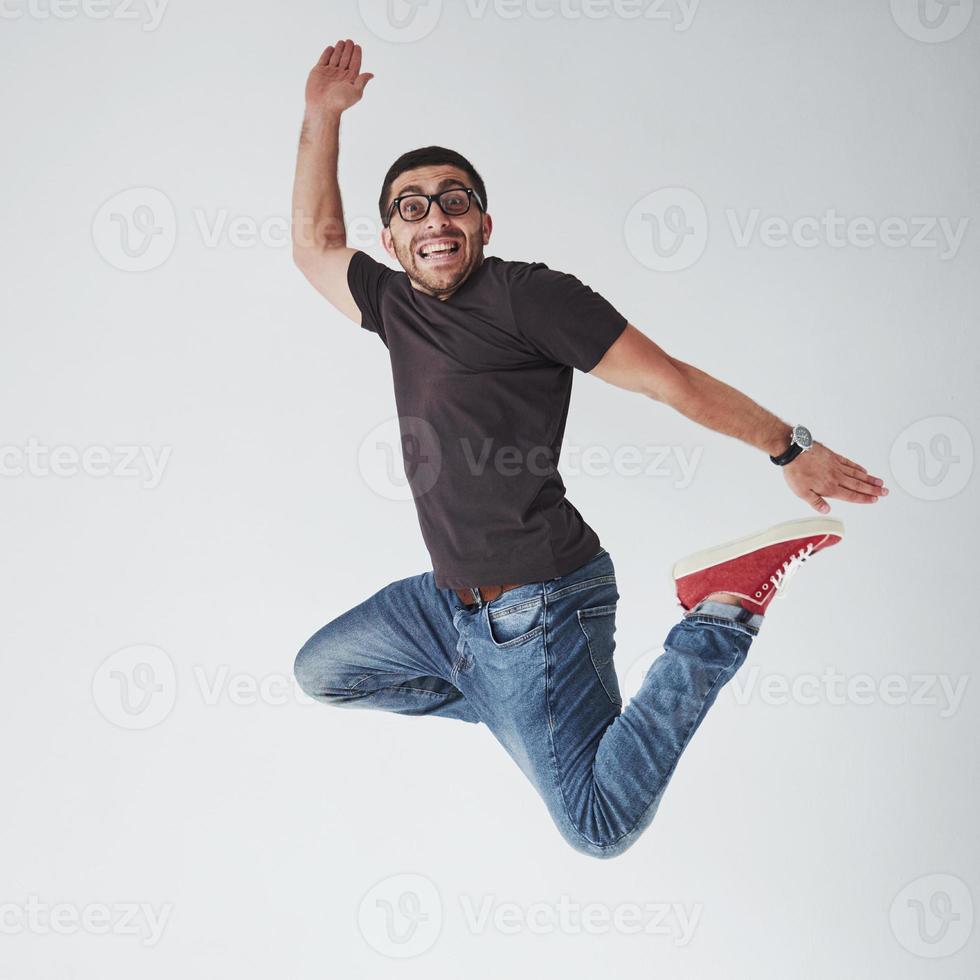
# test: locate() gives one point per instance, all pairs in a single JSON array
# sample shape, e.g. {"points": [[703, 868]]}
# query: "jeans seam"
{"points": [[610, 611], [551, 722], [499, 612], [359, 681], [329, 691], [551, 738], [581, 586]]}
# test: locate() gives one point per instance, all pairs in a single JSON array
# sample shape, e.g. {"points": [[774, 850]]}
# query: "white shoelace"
{"points": [[782, 576]]}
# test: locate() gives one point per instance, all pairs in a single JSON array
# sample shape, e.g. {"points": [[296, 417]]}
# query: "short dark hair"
{"points": [[428, 156]]}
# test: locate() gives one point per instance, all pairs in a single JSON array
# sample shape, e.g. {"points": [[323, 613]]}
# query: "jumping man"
{"points": [[514, 624]]}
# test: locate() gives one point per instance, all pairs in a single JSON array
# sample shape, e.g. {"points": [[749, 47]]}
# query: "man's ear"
{"points": [[387, 243], [487, 228]]}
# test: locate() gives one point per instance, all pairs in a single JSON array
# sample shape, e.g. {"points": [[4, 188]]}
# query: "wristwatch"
{"points": [[800, 442]]}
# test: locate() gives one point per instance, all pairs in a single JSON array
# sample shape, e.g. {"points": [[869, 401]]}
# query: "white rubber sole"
{"points": [[804, 528]]}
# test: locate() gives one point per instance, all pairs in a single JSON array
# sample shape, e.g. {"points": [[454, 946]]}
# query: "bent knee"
{"points": [[604, 850], [598, 838], [304, 668], [315, 668]]}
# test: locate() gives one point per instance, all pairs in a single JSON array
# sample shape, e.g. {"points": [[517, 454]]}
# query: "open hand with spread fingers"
{"points": [[336, 82], [820, 473]]}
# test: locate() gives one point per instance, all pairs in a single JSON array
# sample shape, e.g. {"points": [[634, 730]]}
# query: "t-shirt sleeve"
{"points": [[367, 281], [561, 318]]}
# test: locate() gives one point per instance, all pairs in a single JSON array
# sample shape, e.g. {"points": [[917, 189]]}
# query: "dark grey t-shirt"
{"points": [[482, 386]]}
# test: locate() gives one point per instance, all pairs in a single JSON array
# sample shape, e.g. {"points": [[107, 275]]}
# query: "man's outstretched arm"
{"points": [[636, 363], [319, 233]]}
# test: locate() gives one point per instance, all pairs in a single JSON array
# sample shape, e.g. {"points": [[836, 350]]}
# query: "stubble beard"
{"points": [[433, 282]]}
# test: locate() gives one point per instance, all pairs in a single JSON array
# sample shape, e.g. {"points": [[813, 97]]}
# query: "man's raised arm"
{"points": [[636, 363], [319, 233]]}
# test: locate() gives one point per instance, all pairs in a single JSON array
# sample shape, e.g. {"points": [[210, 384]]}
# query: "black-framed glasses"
{"points": [[453, 201]]}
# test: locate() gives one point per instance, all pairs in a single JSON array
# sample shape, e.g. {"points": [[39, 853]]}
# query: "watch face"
{"points": [[801, 436]]}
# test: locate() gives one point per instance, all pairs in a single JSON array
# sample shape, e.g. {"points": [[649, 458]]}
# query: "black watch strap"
{"points": [[788, 456]]}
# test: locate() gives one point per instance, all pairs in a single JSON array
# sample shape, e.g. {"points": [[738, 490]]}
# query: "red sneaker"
{"points": [[756, 567]]}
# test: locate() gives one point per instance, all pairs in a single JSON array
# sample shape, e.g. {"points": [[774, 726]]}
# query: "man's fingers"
{"points": [[860, 472], [338, 52], [325, 57], [345, 55], [859, 486], [866, 482], [865, 478], [842, 493], [355, 61]]}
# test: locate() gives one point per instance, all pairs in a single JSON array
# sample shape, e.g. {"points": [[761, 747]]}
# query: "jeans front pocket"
{"points": [[516, 623], [599, 626]]}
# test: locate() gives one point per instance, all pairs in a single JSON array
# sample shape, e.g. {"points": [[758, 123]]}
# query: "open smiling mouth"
{"points": [[438, 251]]}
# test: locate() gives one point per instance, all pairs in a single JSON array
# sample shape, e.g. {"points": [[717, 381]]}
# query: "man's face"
{"points": [[413, 243]]}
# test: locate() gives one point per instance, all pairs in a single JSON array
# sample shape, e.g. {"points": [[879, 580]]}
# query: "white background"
{"points": [[790, 827]]}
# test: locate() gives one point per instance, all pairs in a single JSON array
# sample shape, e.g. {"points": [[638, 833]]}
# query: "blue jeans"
{"points": [[536, 666]]}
